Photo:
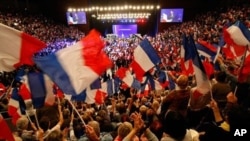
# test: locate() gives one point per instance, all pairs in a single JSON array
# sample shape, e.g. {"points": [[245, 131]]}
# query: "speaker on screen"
{"points": [[76, 17], [174, 15]]}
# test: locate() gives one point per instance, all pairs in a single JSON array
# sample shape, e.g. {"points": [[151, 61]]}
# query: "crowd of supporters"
{"points": [[166, 115]]}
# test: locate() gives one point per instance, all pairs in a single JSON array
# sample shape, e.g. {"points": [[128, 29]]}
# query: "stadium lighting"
{"points": [[117, 8]]}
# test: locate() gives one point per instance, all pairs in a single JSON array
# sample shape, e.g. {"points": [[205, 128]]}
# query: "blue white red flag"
{"points": [[203, 84], [145, 58], [125, 75], [14, 109], [6, 133], [37, 87], [237, 34], [17, 48], [73, 69]]}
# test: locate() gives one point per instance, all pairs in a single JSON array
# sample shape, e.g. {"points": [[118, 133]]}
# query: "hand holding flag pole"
{"points": [[8, 90], [68, 97], [241, 68]]}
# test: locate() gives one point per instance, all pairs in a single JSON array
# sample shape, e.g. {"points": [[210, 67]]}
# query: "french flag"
{"points": [[206, 49], [39, 88], [203, 84], [245, 67], [163, 79], [24, 92], [73, 69], [125, 75], [91, 95], [97, 92], [237, 36], [6, 133], [95, 96], [17, 48], [145, 58], [112, 86], [186, 58], [14, 109]]}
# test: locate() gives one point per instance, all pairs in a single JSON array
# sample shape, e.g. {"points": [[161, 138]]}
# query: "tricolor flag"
{"points": [[73, 69], [91, 95], [186, 58], [112, 86], [14, 109], [39, 87], [237, 36], [206, 49], [125, 75], [202, 81], [95, 96], [163, 78], [17, 48], [245, 67], [5, 132], [24, 92], [145, 58]]}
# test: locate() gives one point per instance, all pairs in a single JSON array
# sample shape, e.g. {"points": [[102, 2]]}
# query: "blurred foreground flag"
{"points": [[5, 132], [73, 69], [17, 48], [145, 58]]}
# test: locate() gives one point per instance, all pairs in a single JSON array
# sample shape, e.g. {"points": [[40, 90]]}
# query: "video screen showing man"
{"points": [[76, 18], [171, 15]]}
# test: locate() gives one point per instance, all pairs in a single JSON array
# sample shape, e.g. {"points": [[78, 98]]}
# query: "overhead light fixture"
{"points": [[117, 8], [130, 16]]}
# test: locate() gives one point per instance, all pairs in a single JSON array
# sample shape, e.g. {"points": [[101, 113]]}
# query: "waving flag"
{"points": [[237, 34], [73, 69], [17, 48], [112, 86], [206, 49], [20, 73], [14, 109], [38, 88], [245, 67], [186, 58], [5, 133], [203, 85], [24, 92], [95, 96], [144, 91], [125, 75], [145, 58], [163, 78]]}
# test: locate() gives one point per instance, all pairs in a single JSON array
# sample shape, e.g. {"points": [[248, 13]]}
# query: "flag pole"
{"points": [[36, 119], [76, 112], [8, 90], [241, 67]]}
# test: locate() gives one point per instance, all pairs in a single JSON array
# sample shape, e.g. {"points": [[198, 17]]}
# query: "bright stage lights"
{"points": [[116, 8]]}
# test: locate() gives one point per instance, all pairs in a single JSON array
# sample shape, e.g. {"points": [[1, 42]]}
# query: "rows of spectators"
{"points": [[54, 34]]}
